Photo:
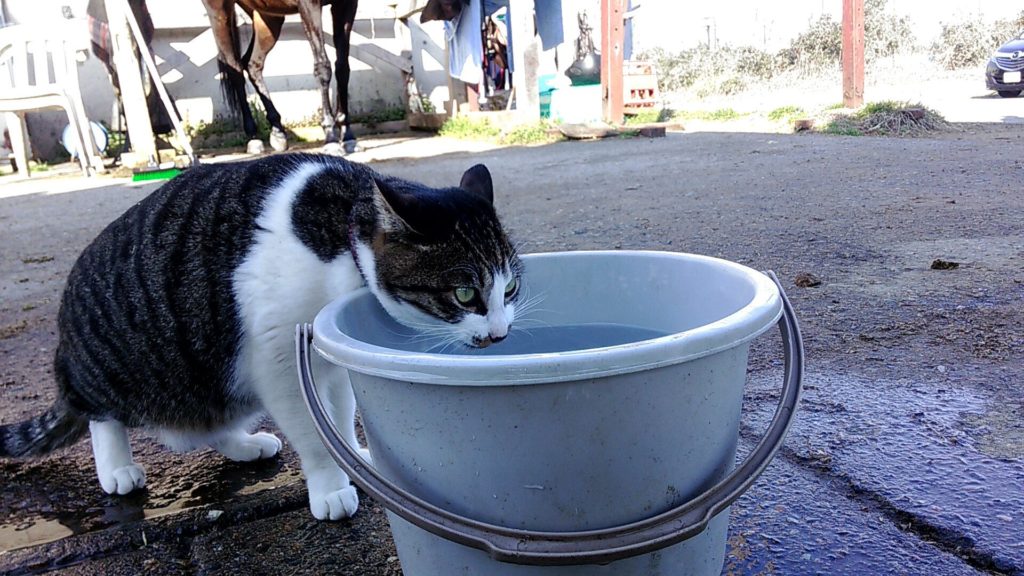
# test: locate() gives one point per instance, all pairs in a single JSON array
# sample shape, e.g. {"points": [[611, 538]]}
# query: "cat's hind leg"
{"points": [[117, 472], [240, 446]]}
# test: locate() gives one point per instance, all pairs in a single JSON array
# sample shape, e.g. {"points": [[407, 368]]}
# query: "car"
{"points": [[1003, 73]]}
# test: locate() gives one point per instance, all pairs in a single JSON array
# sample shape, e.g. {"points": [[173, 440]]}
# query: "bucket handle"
{"points": [[567, 548]]}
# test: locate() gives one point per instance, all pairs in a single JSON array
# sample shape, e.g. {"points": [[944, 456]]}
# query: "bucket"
{"points": [[598, 438]]}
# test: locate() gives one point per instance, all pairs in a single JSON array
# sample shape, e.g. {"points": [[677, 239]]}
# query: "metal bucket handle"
{"points": [[568, 548]]}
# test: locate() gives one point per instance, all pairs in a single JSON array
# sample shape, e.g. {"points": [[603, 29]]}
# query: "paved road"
{"points": [[908, 455]]}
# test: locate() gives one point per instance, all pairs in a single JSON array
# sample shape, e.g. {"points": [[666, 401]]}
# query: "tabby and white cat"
{"points": [[180, 316]]}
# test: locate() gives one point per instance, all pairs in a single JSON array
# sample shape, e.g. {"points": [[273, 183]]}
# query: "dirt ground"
{"points": [[906, 355]]}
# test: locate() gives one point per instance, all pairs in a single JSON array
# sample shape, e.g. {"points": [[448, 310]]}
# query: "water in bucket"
{"points": [[552, 339]]}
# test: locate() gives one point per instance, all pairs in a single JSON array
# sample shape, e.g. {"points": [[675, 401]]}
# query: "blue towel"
{"points": [[465, 44]]}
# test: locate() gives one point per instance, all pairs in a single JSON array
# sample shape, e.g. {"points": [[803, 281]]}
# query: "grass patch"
{"points": [[841, 127], [649, 116], [886, 118], [720, 115], [785, 113], [379, 116], [528, 134], [465, 128], [221, 132]]}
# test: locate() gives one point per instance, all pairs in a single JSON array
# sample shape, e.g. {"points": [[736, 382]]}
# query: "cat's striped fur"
{"points": [[180, 316]]}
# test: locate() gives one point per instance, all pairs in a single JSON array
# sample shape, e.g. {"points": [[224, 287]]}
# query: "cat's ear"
{"points": [[477, 180], [391, 205]]}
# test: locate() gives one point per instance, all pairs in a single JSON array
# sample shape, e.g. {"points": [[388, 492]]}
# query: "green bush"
{"points": [[962, 45], [969, 44], [820, 47], [732, 86], [885, 33], [753, 62]]}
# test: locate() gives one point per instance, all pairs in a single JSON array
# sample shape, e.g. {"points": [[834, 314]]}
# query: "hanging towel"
{"points": [[465, 44], [549, 23]]}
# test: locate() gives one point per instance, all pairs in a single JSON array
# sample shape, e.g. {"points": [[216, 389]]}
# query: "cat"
{"points": [[180, 316]]}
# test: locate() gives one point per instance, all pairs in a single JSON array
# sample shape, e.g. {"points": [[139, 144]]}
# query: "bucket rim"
{"points": [[755, 317]]}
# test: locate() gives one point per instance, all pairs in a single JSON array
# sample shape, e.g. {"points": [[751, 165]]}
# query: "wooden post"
{"points": [[526, 59], [132, 93], [613, 35], [853, 53]]}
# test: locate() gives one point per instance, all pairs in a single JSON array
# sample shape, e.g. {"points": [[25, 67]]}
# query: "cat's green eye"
{"points": [[511, 287], [464, 294]]}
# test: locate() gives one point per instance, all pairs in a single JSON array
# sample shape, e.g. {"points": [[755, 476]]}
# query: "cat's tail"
{"points": [[56, 428]]}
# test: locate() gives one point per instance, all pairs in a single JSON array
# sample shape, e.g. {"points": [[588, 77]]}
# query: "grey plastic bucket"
{"points": [[616, 459]]}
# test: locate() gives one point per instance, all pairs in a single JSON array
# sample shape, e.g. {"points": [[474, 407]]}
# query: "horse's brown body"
{"points": [[268, 20]]}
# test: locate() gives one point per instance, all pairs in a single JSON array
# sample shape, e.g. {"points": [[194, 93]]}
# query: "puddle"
{"points": [[48, 512], [916, 447]]}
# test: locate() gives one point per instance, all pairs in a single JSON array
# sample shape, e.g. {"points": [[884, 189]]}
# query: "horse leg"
{"points": [[312, 23], [343, 14], [266, 31], [225, 34]]}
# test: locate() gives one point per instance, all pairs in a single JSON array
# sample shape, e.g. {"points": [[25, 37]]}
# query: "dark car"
{"points": [[1003, 73]]}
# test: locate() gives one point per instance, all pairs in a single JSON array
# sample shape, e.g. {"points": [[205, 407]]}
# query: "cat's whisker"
{"points": [[529, 306]]}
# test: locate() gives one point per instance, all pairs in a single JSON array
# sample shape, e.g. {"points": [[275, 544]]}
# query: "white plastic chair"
{"points": [[38, 71]]}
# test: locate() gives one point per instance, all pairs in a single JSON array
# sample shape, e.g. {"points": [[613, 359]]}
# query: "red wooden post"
{"points": [[853, 53], [613, 36]]}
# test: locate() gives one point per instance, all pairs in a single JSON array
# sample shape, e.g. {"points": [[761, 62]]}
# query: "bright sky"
{"points": [[676, 24]]}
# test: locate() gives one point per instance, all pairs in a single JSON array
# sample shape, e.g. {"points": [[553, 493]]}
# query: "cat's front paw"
{"points": [[245, 447], [334, 505], [331, 497], [123, 480]]}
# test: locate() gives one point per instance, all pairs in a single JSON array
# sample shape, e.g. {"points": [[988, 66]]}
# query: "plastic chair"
{"points": [[39, 71]]}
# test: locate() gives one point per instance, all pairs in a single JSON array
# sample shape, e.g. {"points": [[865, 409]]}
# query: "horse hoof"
{"points": [[333, 149], [352, 146], [254, 146], [278, 140]]}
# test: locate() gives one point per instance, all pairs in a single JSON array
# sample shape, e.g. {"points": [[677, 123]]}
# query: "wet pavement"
{"points": [[907, 456]]}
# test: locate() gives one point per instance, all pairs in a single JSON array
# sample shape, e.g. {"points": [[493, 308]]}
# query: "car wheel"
{"points": [[1009, 93]]}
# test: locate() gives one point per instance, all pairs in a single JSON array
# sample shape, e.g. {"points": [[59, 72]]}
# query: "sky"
{"points": [[771, 24]]}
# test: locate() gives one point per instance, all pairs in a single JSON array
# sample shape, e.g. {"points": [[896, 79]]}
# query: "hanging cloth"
{"points": [[465, 44]]}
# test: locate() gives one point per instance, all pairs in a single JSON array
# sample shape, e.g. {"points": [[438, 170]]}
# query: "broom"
{"points": [[168, 169]]}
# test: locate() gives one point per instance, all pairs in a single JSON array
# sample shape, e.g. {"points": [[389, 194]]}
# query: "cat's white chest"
{"points": [[281, 282]]}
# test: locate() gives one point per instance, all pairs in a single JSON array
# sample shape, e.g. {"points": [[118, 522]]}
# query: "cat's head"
{"points": [[439, 261]]}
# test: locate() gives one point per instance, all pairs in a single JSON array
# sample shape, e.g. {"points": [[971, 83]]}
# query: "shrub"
{"points": [[885, 33], [1003, 30], [962, 45], [753, 62], [969, 44], [818, 48], [732, 86]]}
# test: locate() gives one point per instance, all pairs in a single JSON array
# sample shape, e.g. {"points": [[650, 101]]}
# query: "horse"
{"points": [[267, 21]]}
